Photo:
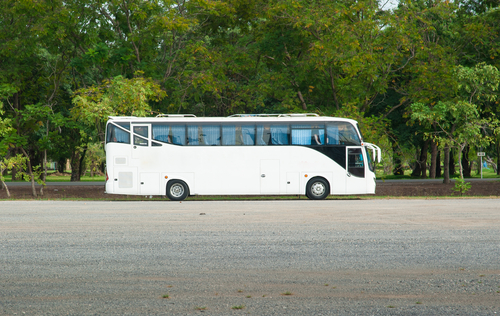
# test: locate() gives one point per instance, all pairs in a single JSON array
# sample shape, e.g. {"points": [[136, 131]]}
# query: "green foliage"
{"points": [[117, 96], [461, 186]]}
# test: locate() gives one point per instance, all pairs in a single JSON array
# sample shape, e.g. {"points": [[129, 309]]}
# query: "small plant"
{"points": [[238, 307], [265, 295], [200, 308], [461, 186], [287, 293], [166, 296], [240, 291], [326, 284], [391, 306], [418, 302]]}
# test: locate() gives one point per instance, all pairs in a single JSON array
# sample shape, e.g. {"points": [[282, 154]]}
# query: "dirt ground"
{"points": [[397, 189]]}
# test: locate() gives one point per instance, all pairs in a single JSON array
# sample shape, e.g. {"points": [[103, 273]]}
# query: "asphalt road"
{"points": [[347, 257]]}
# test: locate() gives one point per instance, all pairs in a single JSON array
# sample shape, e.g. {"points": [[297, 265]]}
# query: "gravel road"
{"points": [[343, 257]]}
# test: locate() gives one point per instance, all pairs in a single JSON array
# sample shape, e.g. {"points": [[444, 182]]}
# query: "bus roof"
{"points": [[308, 117]]}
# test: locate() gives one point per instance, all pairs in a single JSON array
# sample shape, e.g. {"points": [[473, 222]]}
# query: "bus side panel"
{"points": [[224, 170], [306, 161]]}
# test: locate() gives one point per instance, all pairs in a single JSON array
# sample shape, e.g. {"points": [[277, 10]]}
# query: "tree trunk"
{"points": [[75, 166], [438, 164], [301, 98], [421, 163], [13, 172], [82, 166], [423, 159], [61, 165], [6, 188], [30, 172], [398, 168], [446, 164], [452, 163], [466, 166], [434, 162], [460, 166], [417, 169]]}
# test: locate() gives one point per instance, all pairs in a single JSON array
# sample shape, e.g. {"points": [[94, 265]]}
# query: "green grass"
{"points": [[238, 307], [287, 293]]}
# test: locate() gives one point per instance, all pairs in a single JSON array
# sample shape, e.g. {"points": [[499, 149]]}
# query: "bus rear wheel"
{"points": [[317, 189], [177, 190]]}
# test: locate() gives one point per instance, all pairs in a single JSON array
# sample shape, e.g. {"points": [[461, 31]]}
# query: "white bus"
{"points": [[287, 154]]}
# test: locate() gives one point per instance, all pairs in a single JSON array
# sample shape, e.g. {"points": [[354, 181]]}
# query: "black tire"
{"points": [[317, 189], [177, 190]]}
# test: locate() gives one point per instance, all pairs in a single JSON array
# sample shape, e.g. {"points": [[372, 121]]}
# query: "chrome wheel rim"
{"points": [[318, 189], [177, 190]]}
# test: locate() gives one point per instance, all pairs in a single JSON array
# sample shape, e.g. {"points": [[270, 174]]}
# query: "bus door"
{"points": [[355, 177], [140, 141], [269, 176]]}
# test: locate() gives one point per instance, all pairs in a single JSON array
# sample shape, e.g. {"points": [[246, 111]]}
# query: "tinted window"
{"points": [[117, 135], [263, 136], [247, 135], [142, 131], [342, 133], [229, 135], [308, 134], [355, 162], [279, 134], [210, 135]]}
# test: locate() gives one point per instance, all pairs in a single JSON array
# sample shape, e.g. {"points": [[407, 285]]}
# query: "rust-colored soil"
{"points": [[479, 188]]}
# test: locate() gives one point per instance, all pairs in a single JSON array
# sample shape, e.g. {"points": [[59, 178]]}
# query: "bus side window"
{"points": [[179, 135], [162, 133], [332, 134], [228, 135], [117, 135], [279, 134], [248, 135], [142, 131], [193, 135], [211, 135], [263, 135], [308, 134]]}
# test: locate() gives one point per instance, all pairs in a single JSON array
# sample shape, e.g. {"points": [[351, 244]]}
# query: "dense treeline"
{"points": [[421, 78]]}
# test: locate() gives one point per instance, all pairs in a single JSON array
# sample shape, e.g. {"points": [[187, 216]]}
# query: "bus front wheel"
{"points": [[177, 190], [317, 189]]}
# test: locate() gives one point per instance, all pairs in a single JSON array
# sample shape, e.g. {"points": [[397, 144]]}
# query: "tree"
{"points": [[117, 96], [459, 121]]}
